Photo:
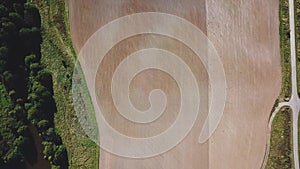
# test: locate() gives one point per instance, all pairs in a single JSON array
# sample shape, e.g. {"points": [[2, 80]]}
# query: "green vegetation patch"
{"points": [[281, 154], [12, 142], [281, 142], [285, 51], [59, 58], [29, 88]]}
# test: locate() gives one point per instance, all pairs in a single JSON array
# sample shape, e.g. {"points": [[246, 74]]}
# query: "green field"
{"points": [[59, 58]]}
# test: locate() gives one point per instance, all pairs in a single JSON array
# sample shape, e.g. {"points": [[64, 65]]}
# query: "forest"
{"points": [[26, 91]]}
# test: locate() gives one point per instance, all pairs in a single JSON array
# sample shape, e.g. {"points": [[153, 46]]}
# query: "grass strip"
{"points": [[281, 154], [285, 52], [59, 58], [281, 143]]}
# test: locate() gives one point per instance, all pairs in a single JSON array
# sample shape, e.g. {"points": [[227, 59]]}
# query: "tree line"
{"points": [[29, 87]]}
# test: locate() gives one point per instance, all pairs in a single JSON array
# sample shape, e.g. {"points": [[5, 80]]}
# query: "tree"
{"points": [[3, 64], [23, 130], [45, 78], [20, 113], [16, 19], [48, 150], [12, 113], [33, 35], [35, 67], [3, 52], [3, 58], [43, 125], [3, 10], [13, 155], [20, 36], [9, 26], [31, 16], [18, 8], [51, 136], [43, 95], [60, 155], [36, 35], [8, 79], [25, 33], [7, 76], [12, 94], [32, 114], [19, 101], [30, 59], [20, 143]]}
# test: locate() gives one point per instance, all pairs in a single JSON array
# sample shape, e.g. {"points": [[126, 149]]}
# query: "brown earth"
{"points": [[245, 34]]}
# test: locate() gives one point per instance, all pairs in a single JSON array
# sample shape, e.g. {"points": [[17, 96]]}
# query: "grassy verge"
{"points": [[285, 51], [281, 154], [59, 58]]}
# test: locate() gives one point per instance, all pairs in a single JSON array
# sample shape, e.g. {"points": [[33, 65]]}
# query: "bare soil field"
{"points": [[246, 36]]}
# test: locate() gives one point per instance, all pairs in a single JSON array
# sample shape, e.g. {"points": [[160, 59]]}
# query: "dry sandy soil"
{"points": [[245, 34]]}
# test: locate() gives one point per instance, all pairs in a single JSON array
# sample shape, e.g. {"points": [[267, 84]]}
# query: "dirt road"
{"points": [[245, 34]]}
